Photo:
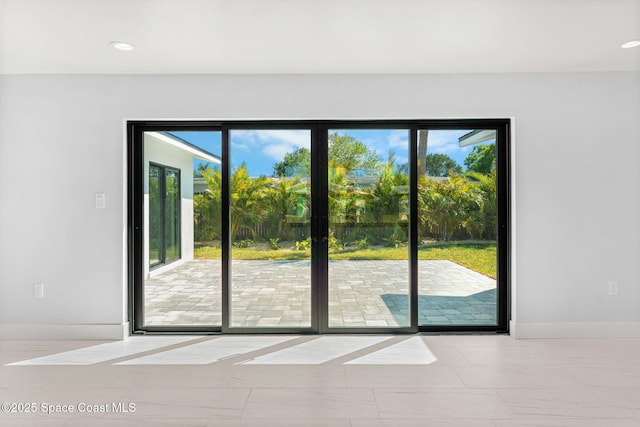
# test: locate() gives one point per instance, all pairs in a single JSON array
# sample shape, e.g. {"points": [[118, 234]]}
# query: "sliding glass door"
{"points": [[181, 281], [319, 226], [458, 227], [270, 229], [368, 234]]}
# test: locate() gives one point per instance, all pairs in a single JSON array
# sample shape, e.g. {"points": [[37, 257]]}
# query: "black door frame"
{"points": [[319, 222]]}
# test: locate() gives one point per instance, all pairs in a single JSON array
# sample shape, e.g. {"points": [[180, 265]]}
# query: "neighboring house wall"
{"points": [[576, 182], [200, 186], [156, 151]]}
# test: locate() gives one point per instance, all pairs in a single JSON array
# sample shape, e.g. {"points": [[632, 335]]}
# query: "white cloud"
{"points": [[444, 141], [277, 151], [399, 139], [298, 138], [271, 143], [383, 141]]}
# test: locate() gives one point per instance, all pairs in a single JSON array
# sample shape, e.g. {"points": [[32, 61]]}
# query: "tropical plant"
{"points": [[273, 244], [247, 201], [444, 206], [245, 243], [398, 237], [303, 244], [362, 244], [387, 197], [282, 201], [339, 188], [334, 242], [207, 207], [264, 208], [484, 222]]}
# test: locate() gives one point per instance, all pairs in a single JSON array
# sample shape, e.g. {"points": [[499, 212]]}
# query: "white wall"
{"points": [[577, 139]]}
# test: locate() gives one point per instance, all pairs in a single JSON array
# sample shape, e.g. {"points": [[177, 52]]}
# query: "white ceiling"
{"points": [[318, 36]]}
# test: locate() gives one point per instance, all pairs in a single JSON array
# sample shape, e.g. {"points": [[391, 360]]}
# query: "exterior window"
{"points": [[164, 215]]}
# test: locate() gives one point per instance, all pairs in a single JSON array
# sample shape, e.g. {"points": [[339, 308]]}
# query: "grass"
{"points": [[480, 257], [210, 252]]}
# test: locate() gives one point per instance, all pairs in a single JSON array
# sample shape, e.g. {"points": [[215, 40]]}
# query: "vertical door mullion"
{"points": [[319, 230], [413, 228], [225, 231]]}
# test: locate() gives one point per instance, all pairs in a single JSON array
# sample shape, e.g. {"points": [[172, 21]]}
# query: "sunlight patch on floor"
{"points": [[257, 349]]}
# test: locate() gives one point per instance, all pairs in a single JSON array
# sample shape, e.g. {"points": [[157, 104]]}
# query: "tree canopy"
{"points": [[482, 159], [461, 206], [352, 155], [441, 165], [298, 162], [344, 151]]}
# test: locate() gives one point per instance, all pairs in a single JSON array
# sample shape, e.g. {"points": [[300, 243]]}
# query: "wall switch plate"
{"points": [[101, 201], [613, 288], [38, 290]]}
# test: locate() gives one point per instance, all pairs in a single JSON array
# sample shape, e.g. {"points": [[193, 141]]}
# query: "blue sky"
{"points": [[261, 149]]}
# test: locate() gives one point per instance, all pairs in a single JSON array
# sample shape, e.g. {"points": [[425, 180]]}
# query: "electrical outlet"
{"points": [[613, 288], [38, 290]]}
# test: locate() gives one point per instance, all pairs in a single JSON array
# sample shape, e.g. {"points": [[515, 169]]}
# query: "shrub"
{"points": [[334, 243], [303, 244], [243, 243], [362, 244], [273, 244]]}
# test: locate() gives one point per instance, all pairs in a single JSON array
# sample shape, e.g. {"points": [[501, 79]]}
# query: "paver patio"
{"points": [[361, 294]]}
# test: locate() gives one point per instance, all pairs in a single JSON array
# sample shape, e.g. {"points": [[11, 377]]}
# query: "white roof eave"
{"points": [[194, 151], [476, 137]]}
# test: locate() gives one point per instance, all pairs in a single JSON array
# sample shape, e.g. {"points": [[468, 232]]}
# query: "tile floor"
{"points": [[361, 294], [323, 381]]}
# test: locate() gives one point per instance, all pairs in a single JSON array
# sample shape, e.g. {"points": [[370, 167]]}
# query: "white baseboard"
{"points": [[575, 330], [64, 332]]}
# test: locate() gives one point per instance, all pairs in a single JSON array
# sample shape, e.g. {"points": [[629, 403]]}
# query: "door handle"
{"points": [[317, 225]]}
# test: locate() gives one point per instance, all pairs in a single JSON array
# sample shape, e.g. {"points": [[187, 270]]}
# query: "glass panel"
{"points": [[368, 228], [155, 217], [185, 286], [270, 228], [457, 226]]}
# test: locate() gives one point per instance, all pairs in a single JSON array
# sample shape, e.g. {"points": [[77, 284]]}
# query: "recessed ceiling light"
{"points": [[122, 45], [630, 44]]}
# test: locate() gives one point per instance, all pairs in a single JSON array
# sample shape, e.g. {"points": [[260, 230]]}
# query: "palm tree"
{"points": [[247, 201], [423, 136], [283, 202], [486, 218], [447, 206], [207, 207], [387, 197]]}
